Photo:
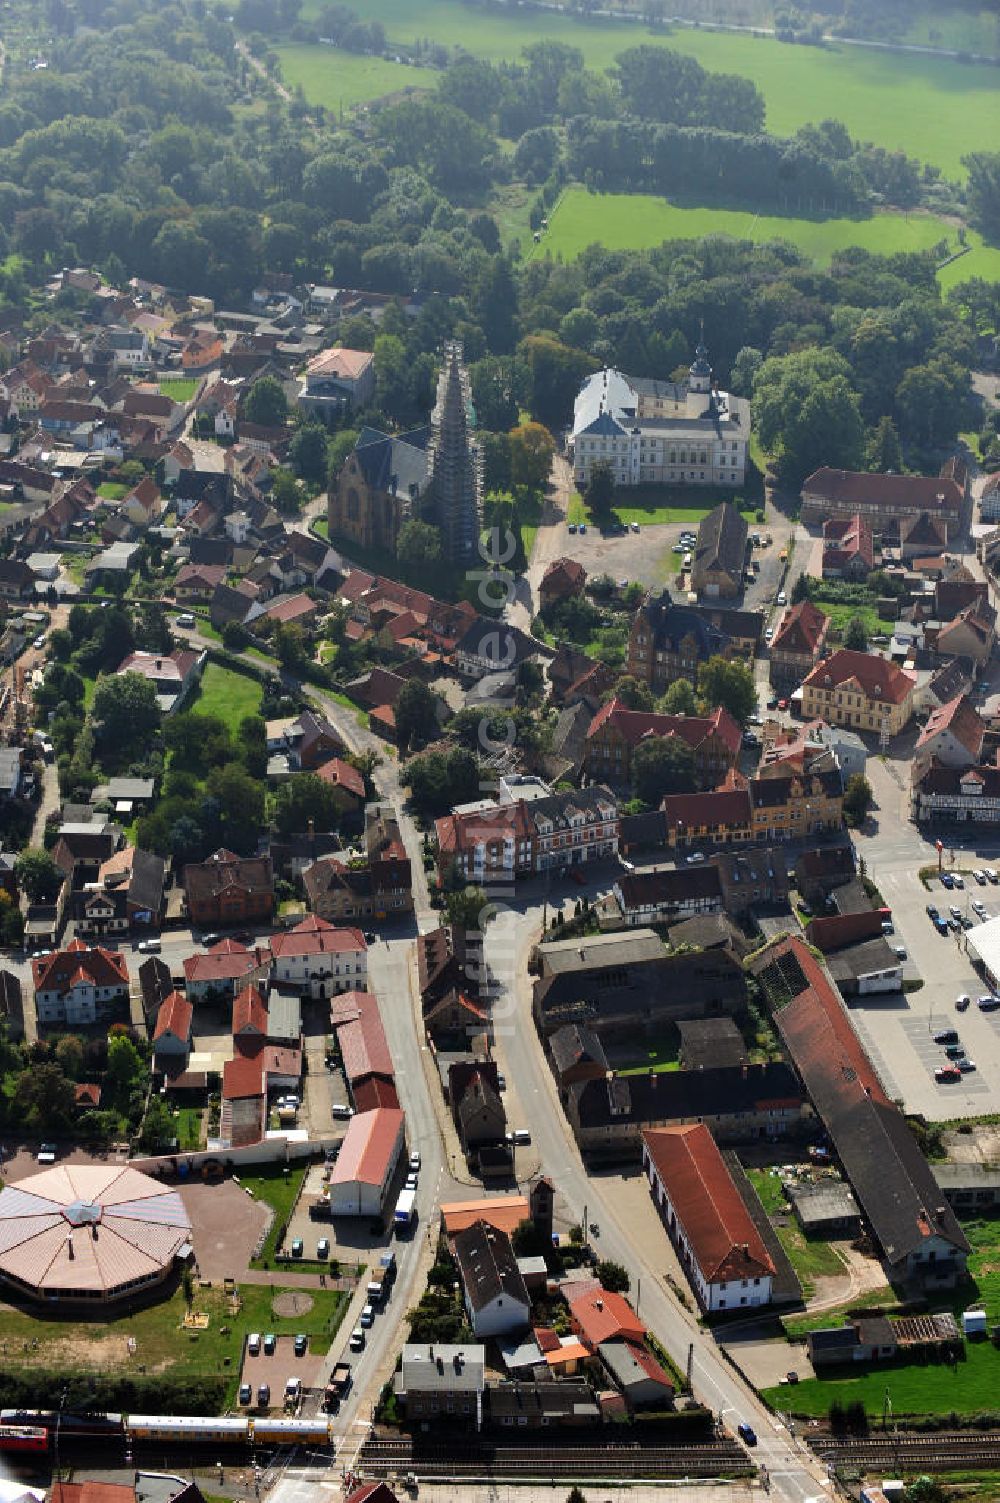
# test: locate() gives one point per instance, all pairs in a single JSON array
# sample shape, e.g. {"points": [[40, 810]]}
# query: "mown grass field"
{"points": [[180, 388], [915, 1387], [664, 505], [626, 221], [933, 108], [342, 80], [229, 695]]}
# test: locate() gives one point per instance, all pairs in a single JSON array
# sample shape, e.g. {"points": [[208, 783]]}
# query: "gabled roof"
{"points": [[366, 1154], [720, 1230], [634, 725], [340, 774], [249, 1012], [603, 1315], [77, 964], [242, 1077], [929, 492], [314, 936], [876, 678], [174, 1016], [488, 1266], [801, 630], [960, 717]]}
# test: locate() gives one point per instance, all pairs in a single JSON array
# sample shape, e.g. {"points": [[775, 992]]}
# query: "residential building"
{"points": [[496, 1300], [440, 1382], [564, 578], [741, 1104], [798, 643], [848, 549], [598, 1315], [455, 498], [860, 691], [306, 741], [488, 646], [347, 783], [615, 732], [752, 877], [661, 432], [796, 805], [336, 382], [173, 675], [822, 869], [667, 895], [362, 1176], [229, 889], [480, 1118], [17, 581], [505, 841], [669, 641], [634, 1370], [128, 894], [319, 959], [970, 635], [880, 500], [918, 1236], [922, 536], [625, 984], [71, 985], [575, 1054], [720, 553], [952, 737], [718, 1244], [224, 969], [956, 795], [198, 582], [11, 771], [172, 1034]]}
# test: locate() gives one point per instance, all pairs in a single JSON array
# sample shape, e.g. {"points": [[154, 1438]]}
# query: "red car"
{"points": [[782, 704], [947, 1074]]}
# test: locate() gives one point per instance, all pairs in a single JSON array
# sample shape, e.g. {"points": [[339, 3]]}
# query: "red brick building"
{"points": [[229, 889], [615, 732]]}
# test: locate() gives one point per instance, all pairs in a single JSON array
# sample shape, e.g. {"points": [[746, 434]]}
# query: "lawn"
{"points": [[321, 527], [841, 616], [341, 80], [916, 1388], [810, 1257], [657, 1056], [933, 108], [112, 490], [180, 388], [189, 1121], [634, 221], [161, 1344], [648, 505], [229, 695]]}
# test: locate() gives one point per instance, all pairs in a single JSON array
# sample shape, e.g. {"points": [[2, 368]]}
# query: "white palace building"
{"points": [[661, 432]]}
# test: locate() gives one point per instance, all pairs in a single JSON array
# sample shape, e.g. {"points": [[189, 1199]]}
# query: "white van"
{"points": [[253, 1343], [185, 619], [150, 946]]}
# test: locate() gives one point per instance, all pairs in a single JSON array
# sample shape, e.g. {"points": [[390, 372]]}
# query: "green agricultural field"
{"points": [[635, 221], [933, 108], [229, 695], [341, 80]]}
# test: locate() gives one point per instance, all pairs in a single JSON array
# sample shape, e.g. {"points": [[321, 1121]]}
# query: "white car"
{"points": [[958, 879], [979, 906], [415, 1162], [411, 1182]]}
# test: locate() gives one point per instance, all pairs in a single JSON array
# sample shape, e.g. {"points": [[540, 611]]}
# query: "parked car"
{"points": [[695, 857], [415, 1161], [941, 925], [270, 1342], [245, 1395], [264, 1395], [46, 1153], [961, 1003], [991, 875], [988, 1003], [946, 1036], [301, 1345], [323, 1249], [966, 1066], [947, 1074], [411, 1182], [955, 1051], [572, 527], [958, 879], [253, 1343], [357, 1341], [980, 876], [979, 906], [899, 952], [932, 912], [367, 1316], [635, 527], [954, 911], [947, 880], [297, 1248]]}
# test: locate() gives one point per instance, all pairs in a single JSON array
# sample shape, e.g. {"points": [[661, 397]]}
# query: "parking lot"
{"points": [[898, 1030], [276, 1367]]}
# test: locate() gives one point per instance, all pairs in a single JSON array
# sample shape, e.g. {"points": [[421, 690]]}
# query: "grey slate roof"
{"points": [[488, 1266]]}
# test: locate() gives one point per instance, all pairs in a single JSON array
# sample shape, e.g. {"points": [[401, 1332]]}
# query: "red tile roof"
{"points": [[601, 1315], [727, 806], [928, 492], [633, 725], [242, 1076], [362, 1041], [99, 966], [959, 716], [369, 1146], [876, 678], [801, 630], [459, 832], [342, 775], [847, 538], [314, 936], [719, 1228], [87, 1094], [373, 1092], [249, 1011], [175, 1015]]}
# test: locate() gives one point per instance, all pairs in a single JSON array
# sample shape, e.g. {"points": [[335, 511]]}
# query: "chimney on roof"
{"points": [[940, 1213], [598, 1304]]}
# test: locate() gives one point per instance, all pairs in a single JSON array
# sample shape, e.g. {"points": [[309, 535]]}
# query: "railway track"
{"points": [[937, 1451], [379, 1458]]}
